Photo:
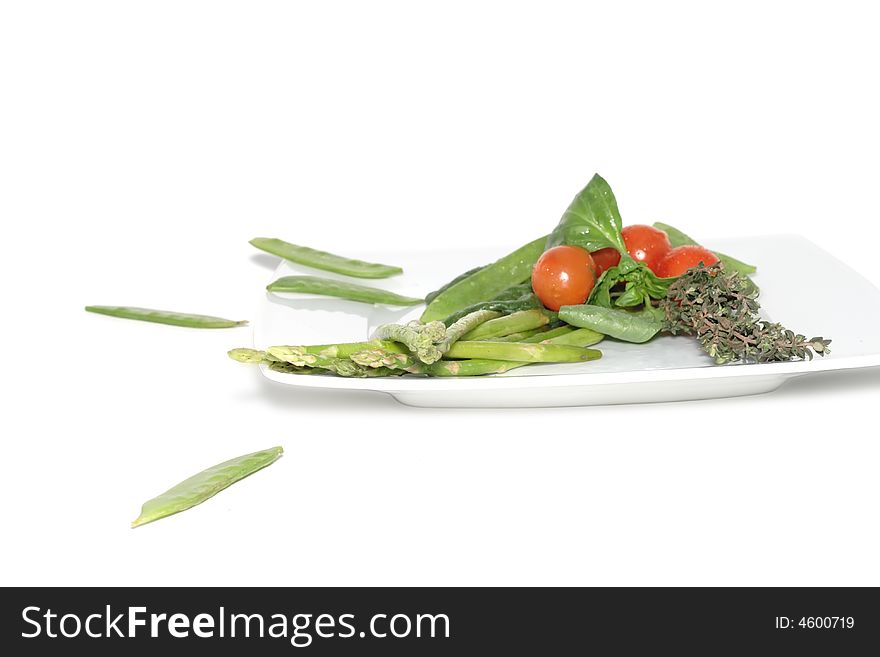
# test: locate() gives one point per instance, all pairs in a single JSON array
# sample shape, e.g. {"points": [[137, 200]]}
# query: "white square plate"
{"points": [[841, 305]]}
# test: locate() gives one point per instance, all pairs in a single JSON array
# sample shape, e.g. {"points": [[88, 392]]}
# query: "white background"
{"points": [[143, 144]]}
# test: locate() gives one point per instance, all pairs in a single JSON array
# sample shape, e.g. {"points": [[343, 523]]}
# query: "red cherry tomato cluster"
{"points": [[566, 275], [651, 246]]}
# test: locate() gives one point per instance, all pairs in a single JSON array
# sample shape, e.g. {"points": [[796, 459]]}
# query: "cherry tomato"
{"points": [[646, 244], [564, 276], [682, 258], [605, 259]]}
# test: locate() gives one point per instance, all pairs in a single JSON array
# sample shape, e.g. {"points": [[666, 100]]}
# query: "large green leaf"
{"points": [[592, 220]]}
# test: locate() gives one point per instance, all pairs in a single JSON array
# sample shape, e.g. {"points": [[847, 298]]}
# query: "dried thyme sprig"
{"points": [[720, 309]]}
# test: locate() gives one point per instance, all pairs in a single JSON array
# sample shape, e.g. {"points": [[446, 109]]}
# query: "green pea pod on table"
{"points": [[309, 257], [487, 282], [341, 289], [205, 485], [626, 325], [172, 318], [678, 238]]}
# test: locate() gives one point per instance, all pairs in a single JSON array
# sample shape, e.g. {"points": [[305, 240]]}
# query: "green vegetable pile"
{"points": [[489, 320]]}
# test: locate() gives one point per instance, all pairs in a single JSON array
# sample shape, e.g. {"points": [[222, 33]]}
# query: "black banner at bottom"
{"points": [[442, 621]]}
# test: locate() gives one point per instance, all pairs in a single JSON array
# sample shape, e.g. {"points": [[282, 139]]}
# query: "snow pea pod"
{"points": [[433, 295], [165, 317], [678, 238], [514, 292], [303, 255], [341, 289], [621, 324], [205, 485], [526, 352], [512, 269]]}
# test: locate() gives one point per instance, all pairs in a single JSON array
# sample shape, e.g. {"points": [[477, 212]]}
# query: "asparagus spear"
{"points": [[387, 358], [523, 336], [299, 357], [472, 367], [524, 320], [287, 368], [428, 341], [534, 336], [346, 349], [468, 367], [551, 334], [522, 351], [465, 325], [378, 357], [481, 366], [582, 337], [419, 338], [244, 355]]}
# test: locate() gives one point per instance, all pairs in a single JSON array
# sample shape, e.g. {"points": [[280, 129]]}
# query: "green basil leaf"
{"points": [[601, 294], [592, 220], [623, 325], [642, 284], [633, 295], [676, 237]]}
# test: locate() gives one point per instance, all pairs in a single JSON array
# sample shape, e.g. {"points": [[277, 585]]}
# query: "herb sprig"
{"points": [[720, 308]]}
